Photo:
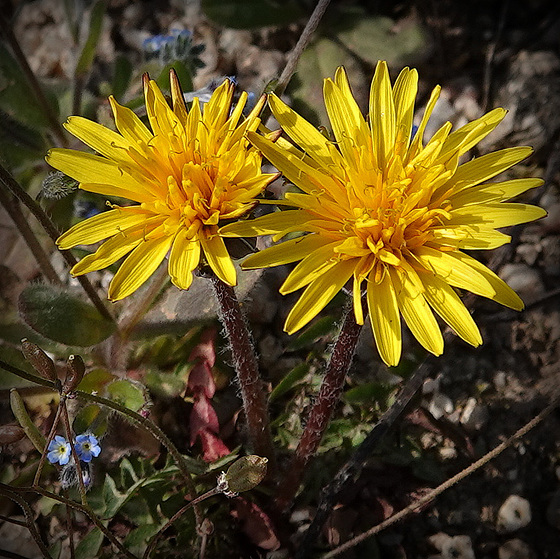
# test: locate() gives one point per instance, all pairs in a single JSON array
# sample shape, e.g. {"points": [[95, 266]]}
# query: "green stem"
{"points": [[13, 208], [14, 187]]}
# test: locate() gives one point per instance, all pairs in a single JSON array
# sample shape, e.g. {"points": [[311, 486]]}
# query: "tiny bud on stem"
{"points": [[246, 473], [75, 370], [40, 361]]}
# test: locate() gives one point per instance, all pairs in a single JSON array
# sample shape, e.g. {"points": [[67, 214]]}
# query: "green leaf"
{"points": [[248, 14], [121, 77], [183, 73], [322, 327], [112, 497], [55, 549], [90, 545], [292, 378], [128, 393], [16, 97], [95, 380], [90, 46], [368, 394], [62, 317], [91, 419], [137, 539]]}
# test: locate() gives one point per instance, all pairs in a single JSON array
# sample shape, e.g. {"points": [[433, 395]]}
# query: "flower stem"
{"points": [[323, 408], [252, 393]]}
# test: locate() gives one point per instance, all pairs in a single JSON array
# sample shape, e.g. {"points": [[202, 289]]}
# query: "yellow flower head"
{"points": [[391, 213], [192, 170]]}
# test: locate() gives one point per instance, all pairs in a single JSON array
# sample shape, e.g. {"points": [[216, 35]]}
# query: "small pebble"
{"points": [[525, 281], [474, 415], [514, 514], [452, 547], [440, 405], [515, 549]]}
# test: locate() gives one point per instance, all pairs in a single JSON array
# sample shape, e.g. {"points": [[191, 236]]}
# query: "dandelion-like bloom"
{"points": [[87, 447], [193, 170], [58, 451], [394, 214]]}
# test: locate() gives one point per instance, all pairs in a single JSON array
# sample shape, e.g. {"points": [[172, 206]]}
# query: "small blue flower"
{"points": [[87, 447], [58, 451]]}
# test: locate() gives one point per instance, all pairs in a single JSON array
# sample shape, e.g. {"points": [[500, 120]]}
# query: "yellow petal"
{"points": [[285, 252], [443, 299], [266, 224], [98, 137], [494, 192], [301, 131], [404, 94], [216, 110], [293, 168], [464, 272], [416, 144], [382, 113], [183, 259], [317, 295], [503, 293], [128, 124], [179, 107], [217, 256], [495, 214], [115, 248], [87, 168], [311, 267], [101, 226], [162, 119], [416, 311], [470, 237], [485, 167], [385, 319], [470, 134], [138, 267]]}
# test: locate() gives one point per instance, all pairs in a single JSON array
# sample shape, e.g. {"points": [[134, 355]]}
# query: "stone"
{"points": [[515, 549], [515, 513]]}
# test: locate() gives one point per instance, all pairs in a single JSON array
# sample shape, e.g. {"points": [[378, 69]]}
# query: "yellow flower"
{"points": [[391, 213], [191, 171]]}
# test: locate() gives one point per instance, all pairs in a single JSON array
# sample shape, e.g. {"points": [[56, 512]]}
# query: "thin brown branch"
{"points": [[447, 484]]}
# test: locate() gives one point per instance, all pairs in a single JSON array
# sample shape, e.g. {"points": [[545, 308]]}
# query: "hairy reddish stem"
{"points": [[323, 408], [252, 392]]}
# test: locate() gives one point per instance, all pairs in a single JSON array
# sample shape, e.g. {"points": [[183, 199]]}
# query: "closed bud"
{"points": [[75, 370], [246, 473], [41, 362], [10, 434]]}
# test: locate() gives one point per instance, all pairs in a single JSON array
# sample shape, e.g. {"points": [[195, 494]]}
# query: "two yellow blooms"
{"points": [[376, 205]]}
